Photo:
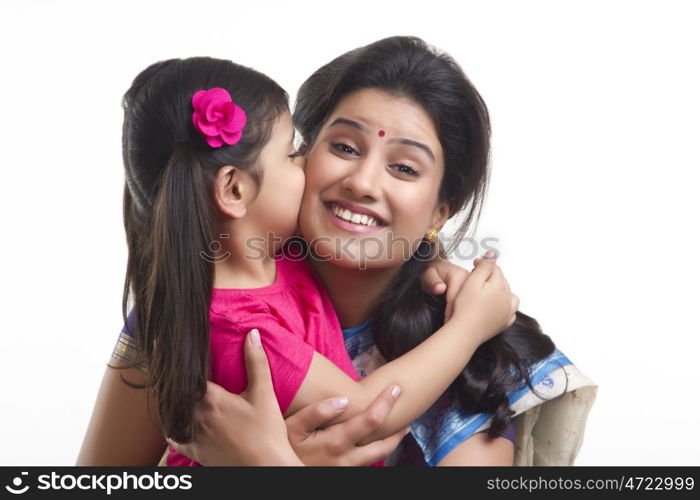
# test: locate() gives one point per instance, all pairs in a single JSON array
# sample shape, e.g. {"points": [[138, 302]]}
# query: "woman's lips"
{"points": [[349, 226]]}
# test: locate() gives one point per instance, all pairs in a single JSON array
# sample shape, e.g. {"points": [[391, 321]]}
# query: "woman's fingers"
{"points": [[376, 450], [363, 424], [338, 443], [186, 449], [312, 417], [259, 390]]}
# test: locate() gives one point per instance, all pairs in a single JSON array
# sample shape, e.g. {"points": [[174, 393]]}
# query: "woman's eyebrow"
{"points": [[347, 121], [399, 140], [411, 142]]}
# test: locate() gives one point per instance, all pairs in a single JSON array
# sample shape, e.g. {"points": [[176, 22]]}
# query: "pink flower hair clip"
{"points": [[217, 117]]}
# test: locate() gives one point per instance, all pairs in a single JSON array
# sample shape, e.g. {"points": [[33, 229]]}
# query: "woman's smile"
{"points": [[353, 218]]}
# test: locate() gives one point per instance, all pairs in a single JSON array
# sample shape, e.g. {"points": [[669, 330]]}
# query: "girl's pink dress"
{"points": [[295, 317]]}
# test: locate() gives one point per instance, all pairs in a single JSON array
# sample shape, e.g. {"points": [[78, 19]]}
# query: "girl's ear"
{"points": [[233, 190]]}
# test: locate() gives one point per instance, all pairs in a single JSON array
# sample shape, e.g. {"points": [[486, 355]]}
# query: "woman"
{"points": [[396, 131]]}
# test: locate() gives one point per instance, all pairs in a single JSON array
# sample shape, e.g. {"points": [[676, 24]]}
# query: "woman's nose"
{"points": [[364, 180]]}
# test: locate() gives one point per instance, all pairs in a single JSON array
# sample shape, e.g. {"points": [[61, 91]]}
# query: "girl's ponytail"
{"points": [[178, 292]]}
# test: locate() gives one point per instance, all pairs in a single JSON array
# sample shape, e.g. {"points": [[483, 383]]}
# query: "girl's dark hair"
{"points": [[169, 216], [406, 315]]}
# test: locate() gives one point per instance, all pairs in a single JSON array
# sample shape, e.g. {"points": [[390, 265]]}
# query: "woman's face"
{"points": [[372, 182]]}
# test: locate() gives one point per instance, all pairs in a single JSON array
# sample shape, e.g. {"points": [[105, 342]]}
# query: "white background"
{"points": [[595, 113]]}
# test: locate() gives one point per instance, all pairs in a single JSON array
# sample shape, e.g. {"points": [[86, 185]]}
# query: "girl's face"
{"points": [[276, 206], [372, 182]]}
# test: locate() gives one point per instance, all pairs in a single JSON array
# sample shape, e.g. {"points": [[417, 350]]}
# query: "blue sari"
{"points": [[446, 425]]}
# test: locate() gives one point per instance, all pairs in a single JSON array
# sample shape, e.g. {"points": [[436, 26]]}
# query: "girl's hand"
{"points": [[444, 275], [485, 300]]}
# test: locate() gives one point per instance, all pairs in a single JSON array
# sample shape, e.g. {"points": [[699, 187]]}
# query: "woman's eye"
{"points": [[295, 154], [344, 148], [405, 169]]}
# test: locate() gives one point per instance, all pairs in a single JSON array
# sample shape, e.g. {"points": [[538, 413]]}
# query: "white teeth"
{"points": [[345, 214]]}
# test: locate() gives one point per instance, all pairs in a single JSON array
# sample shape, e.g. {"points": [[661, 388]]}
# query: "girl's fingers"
{"points": [[457, 280], [483, 270], [449, 310], [432, 281], [497, 275]]}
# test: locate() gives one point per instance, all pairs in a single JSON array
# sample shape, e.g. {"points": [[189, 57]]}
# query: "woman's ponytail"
{"points": [[407, 315]]}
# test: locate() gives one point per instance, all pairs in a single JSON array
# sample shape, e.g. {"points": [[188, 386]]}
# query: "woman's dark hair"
{"points": [[169, 215], [406, 315]]}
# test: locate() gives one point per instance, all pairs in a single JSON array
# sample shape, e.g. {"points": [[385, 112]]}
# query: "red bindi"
{"points": [[381, 133]]}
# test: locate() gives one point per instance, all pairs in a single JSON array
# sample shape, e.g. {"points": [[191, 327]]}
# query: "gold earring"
{"points": [[432, 235]]}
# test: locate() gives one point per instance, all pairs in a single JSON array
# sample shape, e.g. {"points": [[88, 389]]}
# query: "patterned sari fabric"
{"points": [[550, 421]]}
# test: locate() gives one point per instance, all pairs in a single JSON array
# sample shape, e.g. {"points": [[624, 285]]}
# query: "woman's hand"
{"points": [[246, 429], [249, 429], [339, 443], [485, 300]]}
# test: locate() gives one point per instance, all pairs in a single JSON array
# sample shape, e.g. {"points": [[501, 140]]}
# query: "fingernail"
{"points": [[489, 255], [395, 391], [339, 403], [439, 287], [255, 338]]}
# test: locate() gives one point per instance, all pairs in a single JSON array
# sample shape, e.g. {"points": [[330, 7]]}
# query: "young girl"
{"points": [[213, 188]]}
